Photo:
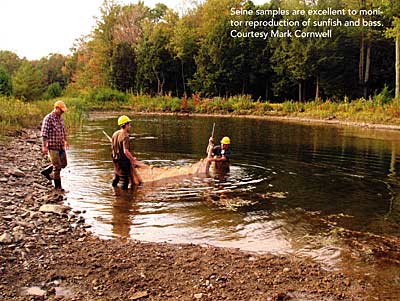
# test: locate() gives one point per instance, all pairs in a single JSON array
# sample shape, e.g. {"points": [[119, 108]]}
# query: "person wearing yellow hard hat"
{"points": [[54, 137], [121, 154], [220, 154]]}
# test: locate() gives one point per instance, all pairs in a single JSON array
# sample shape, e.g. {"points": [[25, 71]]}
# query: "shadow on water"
{"points": [[298, 189]]}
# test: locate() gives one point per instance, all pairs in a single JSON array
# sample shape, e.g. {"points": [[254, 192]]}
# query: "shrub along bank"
{"points": [[16, 114]]}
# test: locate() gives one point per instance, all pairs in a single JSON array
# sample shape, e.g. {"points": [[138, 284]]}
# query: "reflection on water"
{"points": [[124, 207], [290, 186]]}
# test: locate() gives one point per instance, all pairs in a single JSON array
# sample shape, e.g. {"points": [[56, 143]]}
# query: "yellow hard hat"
{"points": [[123, 119], [225, 140], [60, 104]]}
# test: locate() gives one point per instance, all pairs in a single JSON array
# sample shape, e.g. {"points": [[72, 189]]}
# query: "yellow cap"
{"points": [[123, 119], [225, 140], [60, 104]]}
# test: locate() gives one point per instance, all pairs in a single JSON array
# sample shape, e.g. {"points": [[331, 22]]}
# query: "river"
{"points": [[291, 188]]}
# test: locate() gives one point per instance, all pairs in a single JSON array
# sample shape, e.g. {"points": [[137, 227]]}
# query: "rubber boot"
{"points": [[126, 183], [115, 181], [47, 171], [57, 184]]}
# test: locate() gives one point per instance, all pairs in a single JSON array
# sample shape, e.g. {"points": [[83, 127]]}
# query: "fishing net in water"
{"points": [[150, 174], [155, 174]]}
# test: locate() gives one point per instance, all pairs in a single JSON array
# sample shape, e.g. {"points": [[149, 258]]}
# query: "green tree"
{"points": [[156, 51], [5, 82], [255, 58], [158, 12], [52, 67], [292, 56], [396, 33], [216, 60], [319, 66], [183, 45], [28, 82], [94, 52], [70, 67], [157, 68], [127, 32], [326, 55], [370, 41], [123, 67], [128, 24], [392, 11], [10, 61], [54, 90], [95, 63]]}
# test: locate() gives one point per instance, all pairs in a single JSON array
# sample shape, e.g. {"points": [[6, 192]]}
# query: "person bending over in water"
{"points": [[219, 154]]}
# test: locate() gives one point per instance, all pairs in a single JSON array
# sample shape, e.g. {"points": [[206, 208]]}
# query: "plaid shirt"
{"points": [[53, 130]]}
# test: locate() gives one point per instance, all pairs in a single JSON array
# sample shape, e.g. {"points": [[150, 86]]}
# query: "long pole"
{"points": [[108, 137], [209, 149], [210, 144]]}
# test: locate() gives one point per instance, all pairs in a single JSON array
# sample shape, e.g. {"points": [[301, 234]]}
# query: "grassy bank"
{"points": [[16, 114]]}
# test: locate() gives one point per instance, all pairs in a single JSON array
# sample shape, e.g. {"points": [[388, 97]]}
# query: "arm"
{"points": [[45, 134], [45, 145], [210, 147], [66, 145], [127, 152], [129, 156], [220, 159]]}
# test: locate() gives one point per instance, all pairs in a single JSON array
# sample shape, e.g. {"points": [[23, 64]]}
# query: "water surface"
{"points": [[291, 186]]}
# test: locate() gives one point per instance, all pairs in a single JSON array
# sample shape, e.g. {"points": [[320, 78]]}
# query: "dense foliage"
{"points": [[5, 82], [156, 51]]}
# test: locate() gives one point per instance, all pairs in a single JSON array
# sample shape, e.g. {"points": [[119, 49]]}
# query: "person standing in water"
{"points": [[123, 160]]}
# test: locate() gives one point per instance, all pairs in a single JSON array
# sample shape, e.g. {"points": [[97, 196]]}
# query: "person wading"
{"points": [[55, 143], [220, 154], [124, 161]]}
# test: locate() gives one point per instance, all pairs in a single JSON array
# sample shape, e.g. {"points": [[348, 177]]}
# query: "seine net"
{"points": [[148, 174], [153, 174]]}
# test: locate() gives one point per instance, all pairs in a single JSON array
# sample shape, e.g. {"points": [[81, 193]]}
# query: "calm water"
{"points": [[289, 183]]}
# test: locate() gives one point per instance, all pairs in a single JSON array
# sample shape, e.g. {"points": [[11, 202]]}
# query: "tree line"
{"points": [[157, 51]]}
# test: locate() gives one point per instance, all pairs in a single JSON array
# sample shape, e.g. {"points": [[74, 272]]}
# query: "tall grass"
{"points": [[377, 109], [16, 114], [146, 103]]}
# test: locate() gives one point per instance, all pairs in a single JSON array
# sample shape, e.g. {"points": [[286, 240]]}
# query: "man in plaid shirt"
{"points": [[55, 143]]}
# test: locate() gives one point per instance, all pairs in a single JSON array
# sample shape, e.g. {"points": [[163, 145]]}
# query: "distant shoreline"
{"points": [[290, 119]]}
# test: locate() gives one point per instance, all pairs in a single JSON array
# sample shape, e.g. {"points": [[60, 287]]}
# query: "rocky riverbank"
{"points": [[47, 254]]}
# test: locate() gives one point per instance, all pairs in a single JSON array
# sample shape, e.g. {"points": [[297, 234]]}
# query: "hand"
{"points": [[45, 150], [211, 140], [134, 162], [66, 145]]}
